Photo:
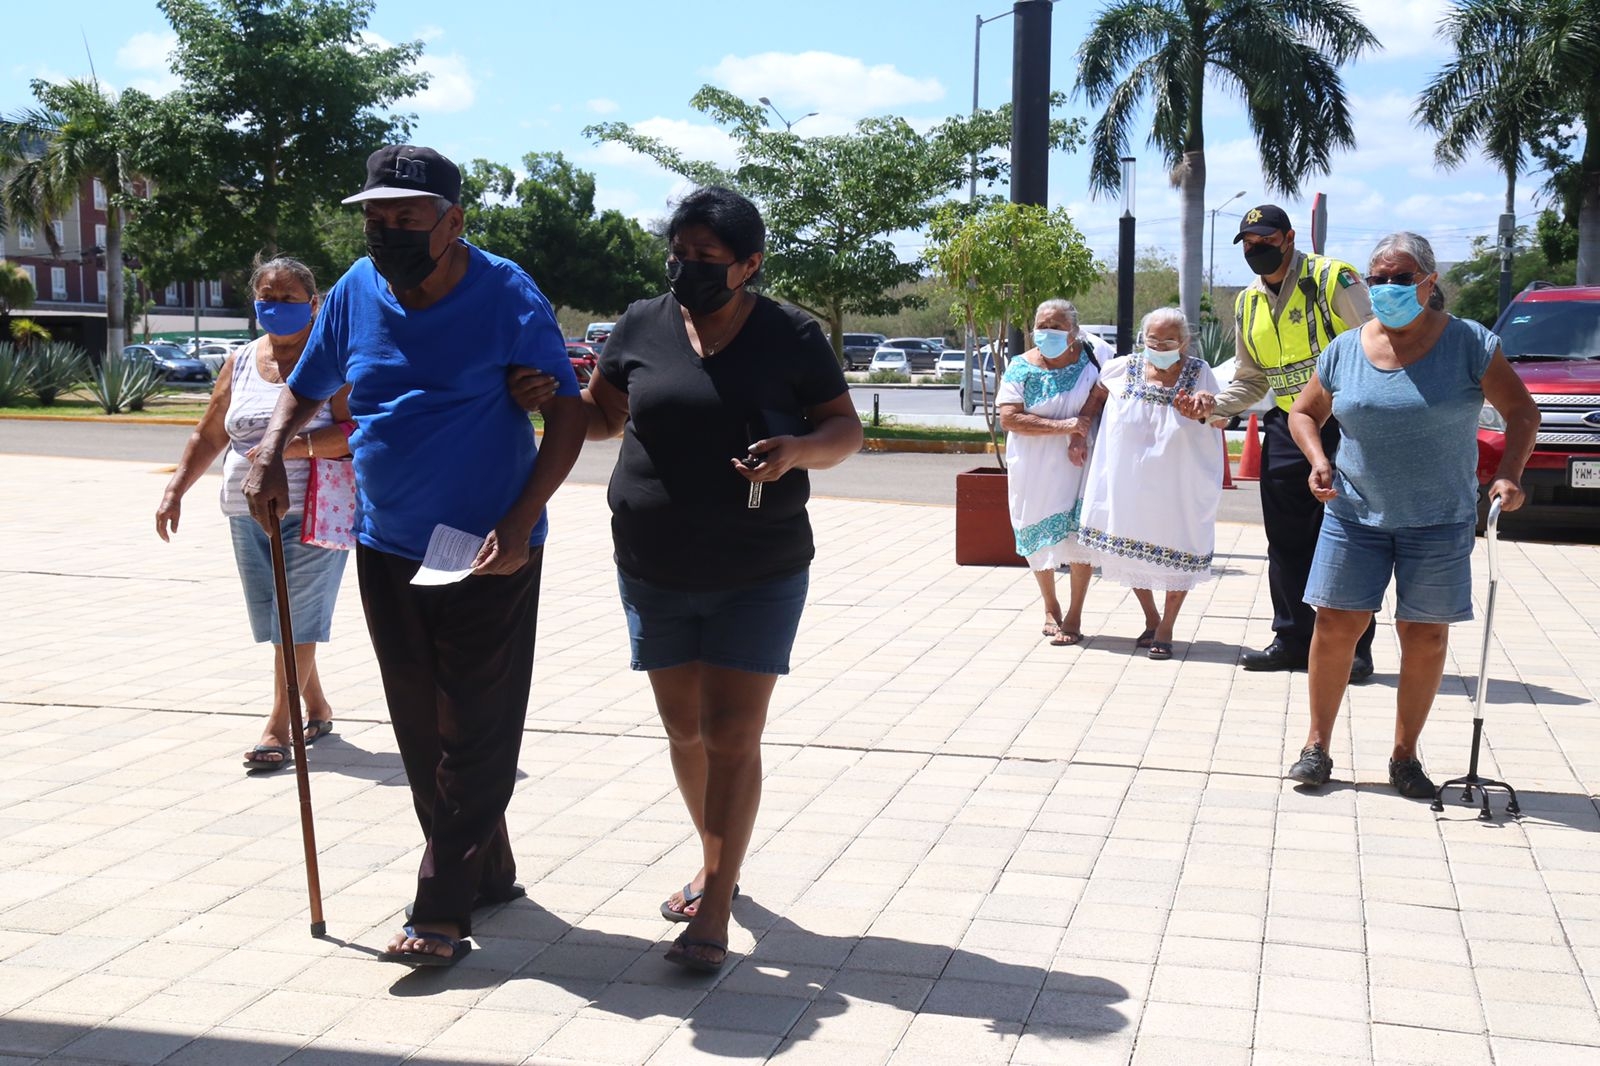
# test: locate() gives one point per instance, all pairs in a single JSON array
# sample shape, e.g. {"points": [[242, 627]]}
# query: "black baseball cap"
{"points": [[1263, 220], [397, 171]]}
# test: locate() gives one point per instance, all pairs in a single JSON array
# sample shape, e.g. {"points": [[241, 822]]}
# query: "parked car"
{"points": [[1551, 336], [597, 333], [981, 382], [177, 367], [891, 359], [951, 361], [1105, 333], [214, 353], [859, 347], [1224, 372], [584, 359], [921, 354]]}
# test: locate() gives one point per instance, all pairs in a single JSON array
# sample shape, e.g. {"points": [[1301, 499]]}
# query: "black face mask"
{"points": [[1263, 258], [700, 287], [401, 255]]}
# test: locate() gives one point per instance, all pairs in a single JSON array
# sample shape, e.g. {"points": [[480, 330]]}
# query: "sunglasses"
{"points": [[1410, 278]]}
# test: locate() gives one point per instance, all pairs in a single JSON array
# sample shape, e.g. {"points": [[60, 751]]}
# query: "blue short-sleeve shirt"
{"points": [[438, 438], [1408, 448]]}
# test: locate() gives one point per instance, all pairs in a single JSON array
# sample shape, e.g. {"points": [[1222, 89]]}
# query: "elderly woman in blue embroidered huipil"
{"points": [[1045, 409], [1150, 509]]}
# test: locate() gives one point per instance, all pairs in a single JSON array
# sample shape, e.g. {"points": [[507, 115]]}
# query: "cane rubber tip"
{"points": [[319, 928]]}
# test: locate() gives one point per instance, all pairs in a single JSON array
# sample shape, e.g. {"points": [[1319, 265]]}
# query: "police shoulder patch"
{"points": [[1347, 277]]}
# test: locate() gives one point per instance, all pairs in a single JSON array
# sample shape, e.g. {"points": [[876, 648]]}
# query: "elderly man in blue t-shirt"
{"points": [[424, 331]]}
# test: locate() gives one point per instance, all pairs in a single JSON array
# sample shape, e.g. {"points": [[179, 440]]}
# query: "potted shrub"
{"points": [[1002, 260]]}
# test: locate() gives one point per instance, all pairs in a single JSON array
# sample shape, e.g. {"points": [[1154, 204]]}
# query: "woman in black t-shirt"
{"points": [[724, 399]]}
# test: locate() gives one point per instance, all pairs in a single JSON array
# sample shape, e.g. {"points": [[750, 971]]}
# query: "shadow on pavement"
{"points": [[786, 988]]}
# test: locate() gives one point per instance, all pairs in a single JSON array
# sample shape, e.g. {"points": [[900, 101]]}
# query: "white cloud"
{"points": [[695, 141], [823, 82], [452, 87], [601, 106], [1407, 29], [146, 57]]}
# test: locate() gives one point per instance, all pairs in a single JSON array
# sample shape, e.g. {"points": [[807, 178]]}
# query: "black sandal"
{"points": [[678, 954]]}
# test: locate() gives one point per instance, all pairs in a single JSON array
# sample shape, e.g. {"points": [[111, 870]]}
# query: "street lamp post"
{"points": [[1125, 278], [1211, 274], [788, 127]]}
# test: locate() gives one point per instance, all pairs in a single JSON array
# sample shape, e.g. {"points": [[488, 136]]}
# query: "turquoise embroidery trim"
{"points": [[1052, 530], [1138, 388], [1145, 551], [1041, 383]]}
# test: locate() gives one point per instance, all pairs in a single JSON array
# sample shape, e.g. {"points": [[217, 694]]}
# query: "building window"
{"points": [[216, 294], [100, 236], [170, 297], [33, 277], [24, 235], [58, 283], [99, 194], [100, 284], [59, 228]]}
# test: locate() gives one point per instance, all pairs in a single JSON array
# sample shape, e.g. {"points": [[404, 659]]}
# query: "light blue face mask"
{"points": [[1052, 343], [1162, 360], [1395, 305]]}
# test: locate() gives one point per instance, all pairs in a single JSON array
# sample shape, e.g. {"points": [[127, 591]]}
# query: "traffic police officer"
{"points": [[1282, 321]]}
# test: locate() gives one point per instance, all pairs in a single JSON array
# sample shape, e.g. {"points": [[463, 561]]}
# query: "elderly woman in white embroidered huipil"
{"points": [[1150, 510], [1045, 409]]}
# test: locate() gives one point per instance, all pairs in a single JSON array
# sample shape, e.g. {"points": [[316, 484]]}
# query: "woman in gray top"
{"points": [[1407, 389], [242, 401]]}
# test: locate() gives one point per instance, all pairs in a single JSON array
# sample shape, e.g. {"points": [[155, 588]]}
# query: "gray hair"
{"points": [[1059, 305], [1167, 316], [286, 264], [1415, 247]]}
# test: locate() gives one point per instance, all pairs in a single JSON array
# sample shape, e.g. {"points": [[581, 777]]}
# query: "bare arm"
{"points": [[1013, 419], [1508, 395], [1312, 409], [605, 406], [208, 440], [505, 550], [266, 486]]}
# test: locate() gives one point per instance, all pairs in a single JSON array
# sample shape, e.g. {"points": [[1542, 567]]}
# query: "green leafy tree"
{"points": [[1473, 284], [1002, 262], [16, 293], [278, 109], [77, 132], [1280, 57], [831, 203], [1564, 50], [547, 224]]}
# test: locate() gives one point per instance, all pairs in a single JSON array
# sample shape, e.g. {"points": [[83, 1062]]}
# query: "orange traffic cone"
{"points": [[1250, 458], [1227, 466]]}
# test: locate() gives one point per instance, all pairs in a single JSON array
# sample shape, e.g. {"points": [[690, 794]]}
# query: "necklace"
{"points": [[727, 334]]}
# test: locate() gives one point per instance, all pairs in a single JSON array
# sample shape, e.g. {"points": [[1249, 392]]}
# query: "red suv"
{"points": [[1551, 335]]}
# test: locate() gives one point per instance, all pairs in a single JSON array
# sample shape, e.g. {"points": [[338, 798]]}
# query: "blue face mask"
{"points": [[283, 319], [1052, 343], [1395, 305], [1162, 360]]}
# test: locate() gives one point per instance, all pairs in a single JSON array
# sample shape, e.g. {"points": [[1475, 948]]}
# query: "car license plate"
{"points": [[1583, 473]]}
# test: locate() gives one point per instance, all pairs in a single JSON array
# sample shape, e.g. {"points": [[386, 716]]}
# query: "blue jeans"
{"points": [[1431, 567], [749, 628], [314, 575]]}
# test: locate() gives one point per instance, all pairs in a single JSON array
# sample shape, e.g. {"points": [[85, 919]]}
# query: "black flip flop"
{"points": [[267, 765], [678, 954], [323, 728], [1160, 649], [1144, 640], [689, 896], [459, 949]]}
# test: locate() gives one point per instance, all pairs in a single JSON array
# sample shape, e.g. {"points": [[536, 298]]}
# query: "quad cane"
{"points": [[1472, 780], [291, 680]]}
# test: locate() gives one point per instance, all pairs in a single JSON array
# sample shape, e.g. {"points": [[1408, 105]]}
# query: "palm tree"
{"points": [[1281, 57], [76, 133], [16, 293], [1565, 52], [1489, 95]]}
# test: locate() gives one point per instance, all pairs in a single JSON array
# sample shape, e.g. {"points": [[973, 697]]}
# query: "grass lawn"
{"points": [[188, 405]]}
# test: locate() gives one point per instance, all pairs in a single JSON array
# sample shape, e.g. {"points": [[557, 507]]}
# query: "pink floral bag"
{"points": [[329, 520]]}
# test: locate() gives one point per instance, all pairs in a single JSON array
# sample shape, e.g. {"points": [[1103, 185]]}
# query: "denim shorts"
{"points": [[1431, 566], [314, 574], [751, 628]]}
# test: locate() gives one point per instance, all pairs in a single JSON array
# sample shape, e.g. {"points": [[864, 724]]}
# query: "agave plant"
{"points": [[1214, 343], [55, 368], [13, 374], [125, 382]]}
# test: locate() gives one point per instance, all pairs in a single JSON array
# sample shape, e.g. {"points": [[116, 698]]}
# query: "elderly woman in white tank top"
{"points": [[242, 402]]}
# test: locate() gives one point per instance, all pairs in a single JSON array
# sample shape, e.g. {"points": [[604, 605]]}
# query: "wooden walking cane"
{"points": [[291, 680]]}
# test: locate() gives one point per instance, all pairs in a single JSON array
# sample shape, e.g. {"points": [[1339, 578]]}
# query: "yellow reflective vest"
{"points": [[1286, 347]]}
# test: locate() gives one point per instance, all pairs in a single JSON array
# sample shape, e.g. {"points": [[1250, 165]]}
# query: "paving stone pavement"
{"points": [[973, 847]]}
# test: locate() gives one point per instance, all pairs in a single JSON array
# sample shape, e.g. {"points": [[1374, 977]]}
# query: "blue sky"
{"points": [[510, 78]]}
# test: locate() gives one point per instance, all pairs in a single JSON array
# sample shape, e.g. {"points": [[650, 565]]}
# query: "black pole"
{"points": [[1125, 283], [1030, 114]]}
